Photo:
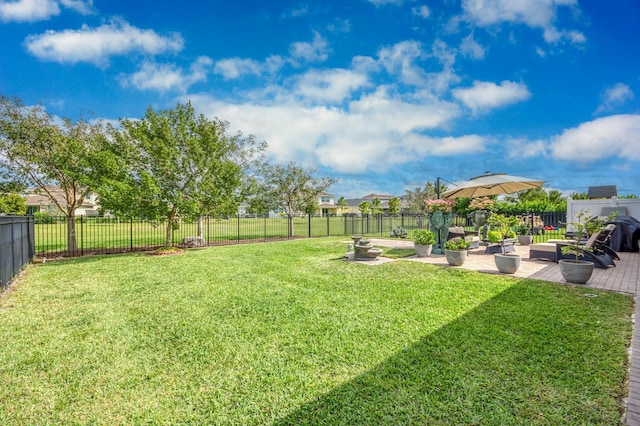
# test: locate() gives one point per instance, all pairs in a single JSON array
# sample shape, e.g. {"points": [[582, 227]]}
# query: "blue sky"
{"points": [[382, 94]]}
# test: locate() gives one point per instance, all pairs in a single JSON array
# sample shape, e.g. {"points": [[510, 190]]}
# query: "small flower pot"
{"points": [[423, 250], [507, 263], [525, 240], [576, 271], [455, 257]]}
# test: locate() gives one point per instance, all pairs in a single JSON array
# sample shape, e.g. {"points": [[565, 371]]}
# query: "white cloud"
{"points": [[376, 131], [533, 13], [524, 148], [614, 97], [232, 68], [486, 95], [401, 59], [447, 146], [469, 47], [421, 11], [96, 45], [316, 51], [613, 136], [552, 35], [40, 10], [80, 6], [330, 85], [168, 77], [28, 10]]}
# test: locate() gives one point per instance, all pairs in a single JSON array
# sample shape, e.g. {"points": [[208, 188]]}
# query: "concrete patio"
{"points": [[624, 278]]}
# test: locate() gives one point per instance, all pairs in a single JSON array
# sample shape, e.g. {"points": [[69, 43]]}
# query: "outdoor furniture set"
{"points": [[597, 249]]}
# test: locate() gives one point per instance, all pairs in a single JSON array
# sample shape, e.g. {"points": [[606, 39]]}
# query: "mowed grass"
{"points": [[289, 333]]}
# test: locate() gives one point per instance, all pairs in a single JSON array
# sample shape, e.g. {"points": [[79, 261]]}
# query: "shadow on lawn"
{"points": [[534, 354]]}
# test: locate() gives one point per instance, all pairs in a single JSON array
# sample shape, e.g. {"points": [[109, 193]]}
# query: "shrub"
{"points": [[422, 237], [398, 232], [456, 244]]}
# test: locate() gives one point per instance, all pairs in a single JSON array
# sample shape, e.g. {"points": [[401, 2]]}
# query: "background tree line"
{"points": [[171, 163]]}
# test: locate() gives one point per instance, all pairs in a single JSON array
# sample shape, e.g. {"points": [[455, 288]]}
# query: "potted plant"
{"points": [[577, 270], [455, 251], [524, 233], [501, 231], [423, 242]]}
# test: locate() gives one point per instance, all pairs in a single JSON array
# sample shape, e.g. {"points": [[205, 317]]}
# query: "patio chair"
{"points": [[469, 236], [596, 249]]}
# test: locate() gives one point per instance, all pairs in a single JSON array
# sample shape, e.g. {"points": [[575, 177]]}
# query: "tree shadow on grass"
{"points": [[535, 354]]}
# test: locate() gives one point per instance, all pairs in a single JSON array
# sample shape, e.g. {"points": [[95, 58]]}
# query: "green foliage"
{"points": [[43, 218], [394, 206], [457, 244], [579, 196], [503, 224], [364, 208], [579, 227], [13, 204], [522, 229], [422, 237], [342, 204], [291, 188], [398, 232], [494, 236], [376, 206], [35, 148], [176, 162], [415, 199]]}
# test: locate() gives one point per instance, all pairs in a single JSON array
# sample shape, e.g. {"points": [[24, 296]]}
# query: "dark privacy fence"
{"points": [[17, 246], [101, 235]]}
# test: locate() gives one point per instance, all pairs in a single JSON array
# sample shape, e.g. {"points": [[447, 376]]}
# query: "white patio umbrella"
{"points": [[491, 184]]}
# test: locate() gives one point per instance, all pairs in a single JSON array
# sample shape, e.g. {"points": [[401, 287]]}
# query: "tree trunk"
{"points": [[168, 242], [290, 226], [200, 226], [72, 244]]}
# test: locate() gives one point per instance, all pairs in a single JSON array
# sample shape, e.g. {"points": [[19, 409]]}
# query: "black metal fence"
{"points": [[101, 235], [17, 246]]}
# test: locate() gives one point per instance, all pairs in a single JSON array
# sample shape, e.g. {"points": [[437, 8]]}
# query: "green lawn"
{"points": [[288, 333]]}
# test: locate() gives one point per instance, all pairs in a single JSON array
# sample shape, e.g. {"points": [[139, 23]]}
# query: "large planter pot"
{"points": [[576, 271], [507, 263], [525, 240], [423, 250], [455, 257]]}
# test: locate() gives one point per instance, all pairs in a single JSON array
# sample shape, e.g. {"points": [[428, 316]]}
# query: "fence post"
{"points": [[131, 234], [238, 219], [328, 225]]}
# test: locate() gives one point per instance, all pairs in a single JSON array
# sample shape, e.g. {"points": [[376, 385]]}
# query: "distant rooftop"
{"points": [[606, 191]]}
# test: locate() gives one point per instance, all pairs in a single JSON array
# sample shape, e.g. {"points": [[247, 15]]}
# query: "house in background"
{"points": [[39, 201], [327, 205], [354, 203]]}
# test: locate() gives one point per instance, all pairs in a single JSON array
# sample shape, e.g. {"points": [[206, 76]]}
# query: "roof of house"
{"points": [[606, 191]]}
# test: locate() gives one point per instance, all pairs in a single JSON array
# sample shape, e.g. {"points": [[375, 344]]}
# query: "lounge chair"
{"points": [[469, 236], [601, 254], [596, 249]]}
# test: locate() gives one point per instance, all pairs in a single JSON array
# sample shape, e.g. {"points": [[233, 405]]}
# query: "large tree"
{"points": [[41, 150], [290, 188], [177, 163]]}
